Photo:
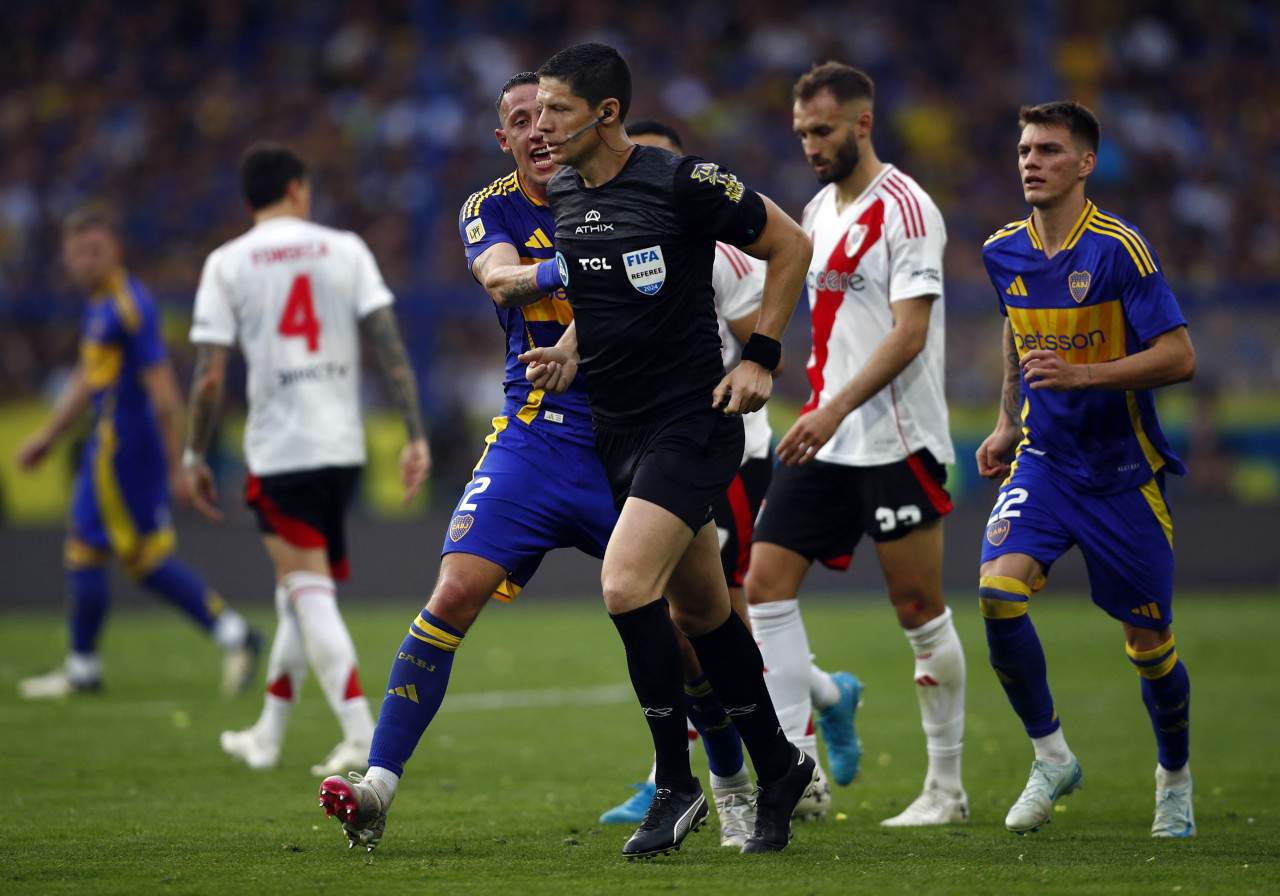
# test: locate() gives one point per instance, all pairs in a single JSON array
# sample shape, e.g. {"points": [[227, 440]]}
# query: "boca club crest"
{"points": [[459, 526], [1078, 283], [998, 531]]}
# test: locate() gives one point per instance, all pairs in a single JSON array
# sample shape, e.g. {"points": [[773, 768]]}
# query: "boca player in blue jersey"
{"points": [[121, 494], [1091, 329], [538, 485]]}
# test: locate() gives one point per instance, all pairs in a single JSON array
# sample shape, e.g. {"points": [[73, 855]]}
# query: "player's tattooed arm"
{"points": [[383, 333], [1011, 388], [207, 383], [509, 281], [522, 288]]}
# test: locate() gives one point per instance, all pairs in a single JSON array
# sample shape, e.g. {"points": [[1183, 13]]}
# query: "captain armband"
{"points": [[763, 350], [547, 275]]}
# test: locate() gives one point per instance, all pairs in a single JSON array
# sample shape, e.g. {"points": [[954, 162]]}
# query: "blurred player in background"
{"points": [[636, 229], [297, 296], [537, 487], [1090, 457], [867, 454], [738, 281], [120, 499]]}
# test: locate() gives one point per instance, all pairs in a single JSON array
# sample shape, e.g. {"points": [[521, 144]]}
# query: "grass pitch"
{"points": [[127, 791]]}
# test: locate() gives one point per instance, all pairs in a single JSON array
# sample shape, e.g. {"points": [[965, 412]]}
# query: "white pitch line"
{"points": [[480, 701]]}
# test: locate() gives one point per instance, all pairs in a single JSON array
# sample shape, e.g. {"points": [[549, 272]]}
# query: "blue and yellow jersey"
{"points": [[1101, 297], [119, 338], [504, 212]]}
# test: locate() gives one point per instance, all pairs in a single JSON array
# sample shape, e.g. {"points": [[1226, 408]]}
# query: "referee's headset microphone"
{"points": [[587, 127]]}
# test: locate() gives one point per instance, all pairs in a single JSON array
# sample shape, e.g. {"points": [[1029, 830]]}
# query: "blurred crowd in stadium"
{"points": [[149, 105]]}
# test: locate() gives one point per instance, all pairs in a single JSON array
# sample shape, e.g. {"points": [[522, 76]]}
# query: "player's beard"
{"points": [[846, 159]]}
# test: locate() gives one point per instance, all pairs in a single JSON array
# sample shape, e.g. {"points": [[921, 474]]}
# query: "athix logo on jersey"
{"points": [[475, 231], [709, 172], [853, 242], [593, 224], [1078, 283], [646, 269], [460, 525], [998, 531]]}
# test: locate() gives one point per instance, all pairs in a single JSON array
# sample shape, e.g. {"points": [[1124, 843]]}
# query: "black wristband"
{"points": [[762, 350]]}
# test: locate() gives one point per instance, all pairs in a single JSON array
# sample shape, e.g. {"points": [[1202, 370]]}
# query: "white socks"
{"points": [[384, 782], [784, 645], [822, 688], [229, 629], [286, 670], [83, 668], [940, 680], [1166, 778], [330, 651], [1052, 748]]}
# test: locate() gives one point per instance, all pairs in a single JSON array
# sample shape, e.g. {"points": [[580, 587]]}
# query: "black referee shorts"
{"points": [[683, 464]]}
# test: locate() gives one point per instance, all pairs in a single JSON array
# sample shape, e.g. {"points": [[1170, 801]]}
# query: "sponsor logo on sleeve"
{"points": [[709, 172], [475, 231]]}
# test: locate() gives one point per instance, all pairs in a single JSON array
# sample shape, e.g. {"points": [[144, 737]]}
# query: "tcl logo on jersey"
{"points": [[646, 269], [595, 264]]}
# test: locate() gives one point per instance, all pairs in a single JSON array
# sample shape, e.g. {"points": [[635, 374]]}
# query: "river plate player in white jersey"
{"points": [[866, 456], [297, 296]]}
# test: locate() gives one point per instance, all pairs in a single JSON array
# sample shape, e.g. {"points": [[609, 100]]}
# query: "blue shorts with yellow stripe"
{"points": [[1126, 539], [120, 504], [534, 490]]}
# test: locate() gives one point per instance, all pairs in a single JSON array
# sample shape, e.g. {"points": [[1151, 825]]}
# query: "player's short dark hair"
{"points": [[1078, 119], [513, 81], [89, 217], [265, 173], [594, 72], [643, 126], [845, 82]]}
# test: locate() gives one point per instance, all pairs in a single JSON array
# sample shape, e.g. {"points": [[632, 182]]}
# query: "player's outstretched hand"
{"points": [[415, 467], [807, 435], [33, 450], [551, 369], [203, 491]]}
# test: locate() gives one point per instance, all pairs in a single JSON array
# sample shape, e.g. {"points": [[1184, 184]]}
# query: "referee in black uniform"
{"points": [[635, 242]]}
